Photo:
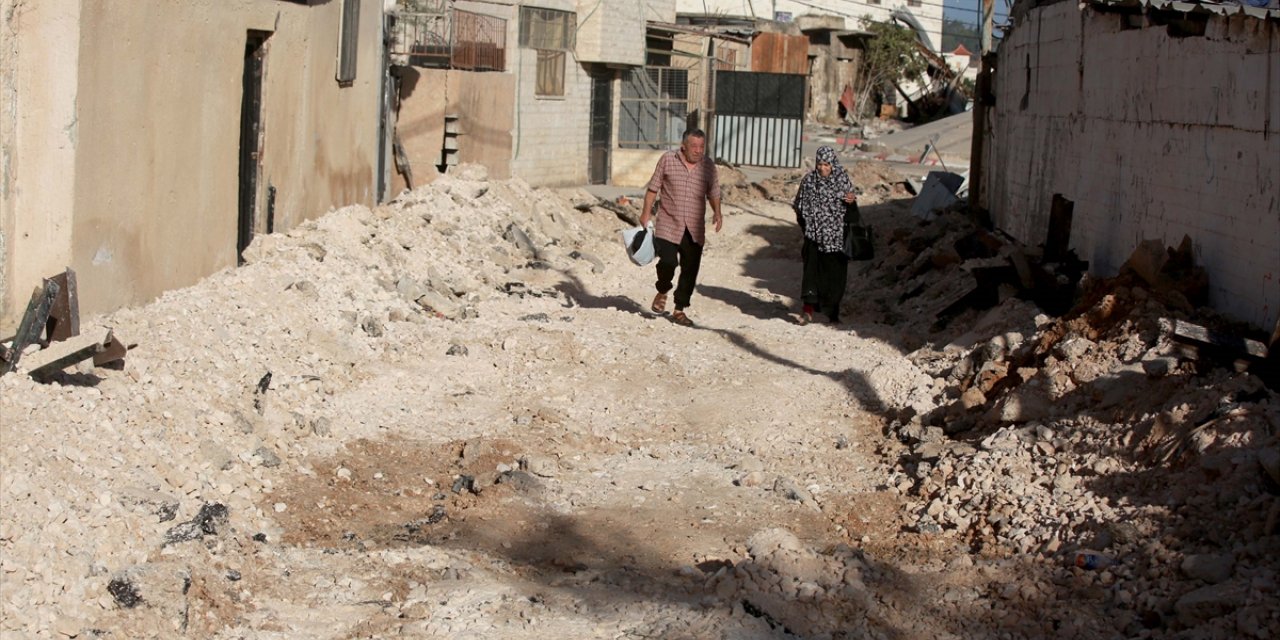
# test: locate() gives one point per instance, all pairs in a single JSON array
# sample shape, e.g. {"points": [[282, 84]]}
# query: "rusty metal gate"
{"points": [[759, 118]]}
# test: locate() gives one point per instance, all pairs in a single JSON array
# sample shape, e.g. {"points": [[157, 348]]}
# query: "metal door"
{"points": [[759, 118], [601, 126]]}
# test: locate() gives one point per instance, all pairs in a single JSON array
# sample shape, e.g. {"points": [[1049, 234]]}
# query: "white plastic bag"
{"points": [[638, 241]]}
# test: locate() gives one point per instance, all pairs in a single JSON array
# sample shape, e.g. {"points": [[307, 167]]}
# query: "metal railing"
{"points": [[451, 39]]}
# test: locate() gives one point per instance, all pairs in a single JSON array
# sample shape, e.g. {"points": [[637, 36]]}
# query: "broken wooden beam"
{"points": [[1197, 342]]}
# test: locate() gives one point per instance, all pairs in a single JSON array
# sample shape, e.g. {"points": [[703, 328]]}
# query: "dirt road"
{"points": [[479, 431]]}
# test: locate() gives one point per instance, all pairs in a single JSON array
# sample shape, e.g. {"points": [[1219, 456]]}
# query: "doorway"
{"points": [[255, 54], [601, 126]]}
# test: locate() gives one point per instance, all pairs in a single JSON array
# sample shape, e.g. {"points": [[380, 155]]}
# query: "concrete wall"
{"points": [[485, 106], [611, 31], [159, 119], [38, 132], [634, 167], [551, 133], [827, 79], [123, 161], [1152, 137]]}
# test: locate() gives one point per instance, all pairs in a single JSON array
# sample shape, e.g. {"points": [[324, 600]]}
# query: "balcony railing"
{"points": [[451, 39]]}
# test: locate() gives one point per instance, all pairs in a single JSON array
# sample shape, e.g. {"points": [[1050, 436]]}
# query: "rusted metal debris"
{"points": [[32, 325], [52, 320]]}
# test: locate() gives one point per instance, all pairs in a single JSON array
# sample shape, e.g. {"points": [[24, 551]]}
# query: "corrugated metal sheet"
{"points": [[780, 53], [758, 141]]}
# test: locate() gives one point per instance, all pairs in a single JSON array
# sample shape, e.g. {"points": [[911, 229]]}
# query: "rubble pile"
{"points": [[329, 419], [109, 478], [1095, 435]]}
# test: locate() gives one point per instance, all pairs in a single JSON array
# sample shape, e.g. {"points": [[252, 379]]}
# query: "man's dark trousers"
{"points": [[688, 256]]}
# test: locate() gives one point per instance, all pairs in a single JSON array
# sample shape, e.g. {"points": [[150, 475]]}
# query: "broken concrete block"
{"points": [[162, 505], [1025, 405], [435, 303], [1207, 603], [515, 235], [1211, 568]]}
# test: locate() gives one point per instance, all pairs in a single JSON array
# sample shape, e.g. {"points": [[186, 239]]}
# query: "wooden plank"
{"points": [[1196, 335], [32, 325]]}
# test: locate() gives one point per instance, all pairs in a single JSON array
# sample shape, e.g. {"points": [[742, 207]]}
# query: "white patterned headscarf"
{"points": [[820, 205]]}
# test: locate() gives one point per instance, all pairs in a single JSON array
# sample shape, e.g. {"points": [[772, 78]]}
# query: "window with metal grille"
{"points": [[349, 41], [548, 29], [550, 73], [552, 34], [655, 108]]}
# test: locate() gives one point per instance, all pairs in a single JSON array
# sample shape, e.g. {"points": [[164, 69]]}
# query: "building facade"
{"points": [[143, 143]]}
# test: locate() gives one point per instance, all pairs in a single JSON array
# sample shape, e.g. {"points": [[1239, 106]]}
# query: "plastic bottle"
{"points": [[1091, 561]]}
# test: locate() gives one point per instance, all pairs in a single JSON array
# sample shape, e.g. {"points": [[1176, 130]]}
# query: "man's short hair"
{"points": [[693, 133]]}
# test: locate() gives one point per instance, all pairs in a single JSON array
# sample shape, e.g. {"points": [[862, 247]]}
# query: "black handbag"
{"points": [[859, 241]]}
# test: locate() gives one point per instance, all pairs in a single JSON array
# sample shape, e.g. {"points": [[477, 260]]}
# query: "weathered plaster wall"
{"points": [[634, 167], [827, 80], [1152, 137], [39, 54], [157, 166], [485, 105]]}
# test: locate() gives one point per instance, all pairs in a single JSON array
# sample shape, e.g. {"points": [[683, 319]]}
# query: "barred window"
{"points": [[548, 29], [550, 73], [655, 107]]}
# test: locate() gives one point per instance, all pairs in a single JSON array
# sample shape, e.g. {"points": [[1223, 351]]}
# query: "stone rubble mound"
{"points": [[114, 483]]}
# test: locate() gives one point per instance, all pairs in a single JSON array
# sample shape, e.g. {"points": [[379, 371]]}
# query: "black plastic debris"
{"points": [[212, 516], [125, 592]]}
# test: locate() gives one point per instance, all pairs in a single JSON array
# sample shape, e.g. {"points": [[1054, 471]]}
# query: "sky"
{"points": [[967, 10]]}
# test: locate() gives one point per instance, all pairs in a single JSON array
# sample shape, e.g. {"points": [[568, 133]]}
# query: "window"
{"points": [[548, 29], [655, 107], [913, 3], [552, 33], [550, 73], [349, 42]]}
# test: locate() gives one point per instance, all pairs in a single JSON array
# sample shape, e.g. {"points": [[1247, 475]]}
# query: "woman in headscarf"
{"points": [[820, 210]]}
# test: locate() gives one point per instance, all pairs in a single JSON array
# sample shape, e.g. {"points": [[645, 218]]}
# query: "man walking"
{"points": [[684, 181]]}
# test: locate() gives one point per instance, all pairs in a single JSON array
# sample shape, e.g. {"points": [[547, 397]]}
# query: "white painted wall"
{"points": [[1151, 137]]}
